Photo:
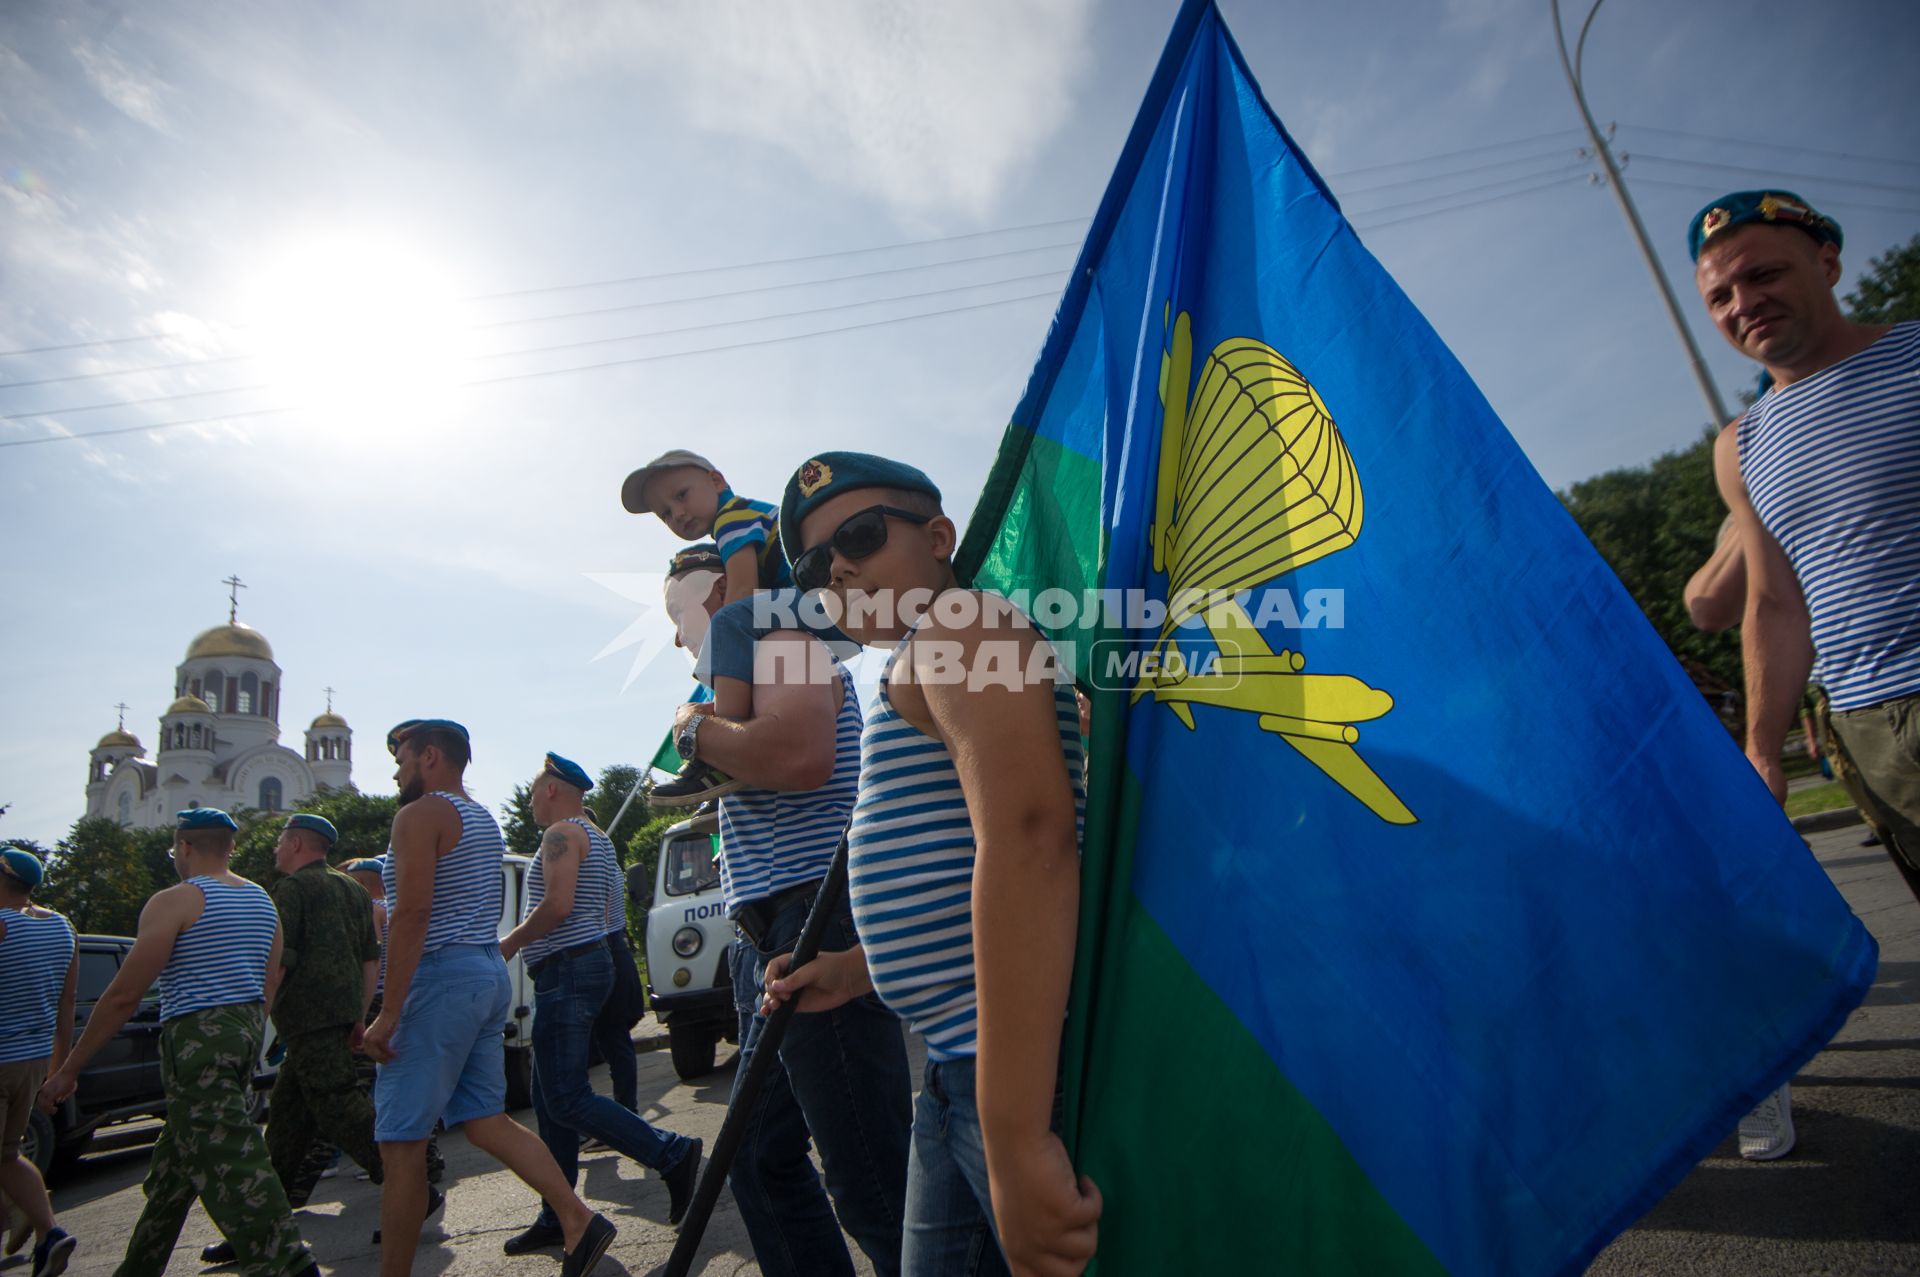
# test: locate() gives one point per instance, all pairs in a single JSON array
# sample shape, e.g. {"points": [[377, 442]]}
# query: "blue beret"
{"points": [[365, 865], [1775, 208], [829, 474], [568, 770], [23, 865], [203, 818], [314, 824], [398, 735], [705, 556]]}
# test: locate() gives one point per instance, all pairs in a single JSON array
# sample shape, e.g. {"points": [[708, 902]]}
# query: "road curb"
{"points": [[1818, 821], [644, 1042]]}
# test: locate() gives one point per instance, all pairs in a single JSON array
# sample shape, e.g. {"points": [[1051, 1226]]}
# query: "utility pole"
{"points": [[1600, 149]]}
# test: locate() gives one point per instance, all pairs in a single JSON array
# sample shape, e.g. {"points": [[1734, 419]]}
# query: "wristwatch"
{"points": [[684, 740]]}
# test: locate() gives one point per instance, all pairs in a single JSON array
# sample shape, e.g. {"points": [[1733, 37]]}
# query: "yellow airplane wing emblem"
{"points": [[1255, 481]]}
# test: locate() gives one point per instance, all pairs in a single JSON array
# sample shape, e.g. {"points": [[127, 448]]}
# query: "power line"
{"points": [[209, 361], [1805, 177], [1447, 155], [1642, 179], [1441, 177], [629, 279], [76, 410], [1565, 180], [551, 372], [1774, 146], [1557, 174]]}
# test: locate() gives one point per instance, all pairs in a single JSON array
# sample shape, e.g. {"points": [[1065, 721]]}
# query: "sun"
{"points": [[365, 336]]}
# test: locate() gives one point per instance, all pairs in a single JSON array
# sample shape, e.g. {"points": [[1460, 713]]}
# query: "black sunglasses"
{"points": [[860, 535]]}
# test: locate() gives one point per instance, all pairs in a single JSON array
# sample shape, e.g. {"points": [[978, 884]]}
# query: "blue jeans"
{"points": [[611, 1031], [567, 995], [842, 1079], [950, 1231]]}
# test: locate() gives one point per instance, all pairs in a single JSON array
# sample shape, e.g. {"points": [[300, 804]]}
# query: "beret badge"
{"points": [[814, 476]]}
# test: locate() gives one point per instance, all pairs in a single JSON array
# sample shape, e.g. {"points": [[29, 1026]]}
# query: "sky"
{"points": [[356, 245]]}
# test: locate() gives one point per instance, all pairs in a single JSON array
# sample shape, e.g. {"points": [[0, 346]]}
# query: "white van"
{"points": [[519, 1026], [688, 984]]}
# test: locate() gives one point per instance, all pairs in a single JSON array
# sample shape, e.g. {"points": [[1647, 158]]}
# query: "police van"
{"points": [[689, 986], [519, 1025]]}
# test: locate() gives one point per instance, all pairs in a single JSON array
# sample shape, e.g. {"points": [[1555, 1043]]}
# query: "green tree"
{"points": [[100, 875], [516, 824], [364, 822], [1654, 525], [1889, 291]]}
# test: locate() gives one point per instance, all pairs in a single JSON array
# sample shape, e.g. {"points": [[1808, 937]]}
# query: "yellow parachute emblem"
{"points": [[1256, 481]]}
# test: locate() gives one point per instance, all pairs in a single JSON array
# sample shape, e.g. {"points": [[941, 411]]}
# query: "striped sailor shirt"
{"points": [[588, 919], [34, 957], [742, 523], [1832, 465], [468, 890], [772, 840], [221, 960], [910, 870]]}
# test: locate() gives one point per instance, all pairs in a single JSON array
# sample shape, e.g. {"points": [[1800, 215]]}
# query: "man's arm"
{"points": [[1004, 736], [788, 744], [1716, 595], [275, 971], [561, 849], [1775, 640], [421, 830], [163, 918], [63, 1018]]}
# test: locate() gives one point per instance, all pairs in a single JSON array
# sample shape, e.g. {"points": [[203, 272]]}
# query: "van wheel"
{"points": [[37, 1145], [692, 1051], [519, 1077]]}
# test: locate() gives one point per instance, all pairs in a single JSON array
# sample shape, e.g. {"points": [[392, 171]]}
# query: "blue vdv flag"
{"points": [[1431, 921]]}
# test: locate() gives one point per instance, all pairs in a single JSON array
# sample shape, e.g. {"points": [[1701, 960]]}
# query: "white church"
{"points": [[219, 741]]}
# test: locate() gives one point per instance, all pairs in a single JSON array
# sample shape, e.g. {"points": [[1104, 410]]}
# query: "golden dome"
{"points": [[189, 705], [328, 719], [118, 737], [231, 640]]}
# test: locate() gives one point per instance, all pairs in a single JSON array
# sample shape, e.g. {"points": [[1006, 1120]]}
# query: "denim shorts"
{"points": [[449, 1050]]}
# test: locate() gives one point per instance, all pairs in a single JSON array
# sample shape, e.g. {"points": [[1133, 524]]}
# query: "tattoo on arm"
{"points": [[553, 843]]}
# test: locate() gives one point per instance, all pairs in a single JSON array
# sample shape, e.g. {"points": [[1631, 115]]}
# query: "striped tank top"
{"points": [[910, 870], [1832, 464], [468, 890], [616, 896], [770, 840], [588, 920], [221, 960], [34, 958]]}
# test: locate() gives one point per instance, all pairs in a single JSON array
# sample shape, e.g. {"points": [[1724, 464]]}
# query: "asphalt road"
{"points": [[1843, 1203]]}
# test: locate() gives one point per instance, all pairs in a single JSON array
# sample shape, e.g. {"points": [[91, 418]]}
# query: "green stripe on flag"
{"points": [[1169, 1070]]}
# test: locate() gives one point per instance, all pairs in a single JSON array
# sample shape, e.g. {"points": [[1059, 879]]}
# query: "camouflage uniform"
{"points": [[326, 922], [211, 1149]]}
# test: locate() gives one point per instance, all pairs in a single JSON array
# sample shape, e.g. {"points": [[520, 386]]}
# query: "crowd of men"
{"points": [[960, 915]]}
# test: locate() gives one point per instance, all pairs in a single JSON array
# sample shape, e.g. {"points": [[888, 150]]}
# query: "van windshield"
{"points": [[691, 865]]}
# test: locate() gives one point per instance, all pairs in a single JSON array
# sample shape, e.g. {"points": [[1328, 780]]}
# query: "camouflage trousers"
{"points": [[318, 1096], [210, 1149]]}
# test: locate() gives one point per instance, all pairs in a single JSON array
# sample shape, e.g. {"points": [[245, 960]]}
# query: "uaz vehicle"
{"points": [[688, 984], [122, 1082]]}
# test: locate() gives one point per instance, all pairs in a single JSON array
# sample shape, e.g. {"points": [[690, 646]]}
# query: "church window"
{"points": [[270, 794], [126, 808], [212, 698], [249, 694]]}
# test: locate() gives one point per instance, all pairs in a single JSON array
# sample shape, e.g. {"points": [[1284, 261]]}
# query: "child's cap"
{"points": [[831, 473], [630, 494]]}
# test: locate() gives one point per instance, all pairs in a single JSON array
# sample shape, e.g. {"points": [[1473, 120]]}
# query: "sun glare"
{"points": [[361, 335]]}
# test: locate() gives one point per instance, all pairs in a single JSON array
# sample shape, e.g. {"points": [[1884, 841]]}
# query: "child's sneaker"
{"points": [[696, 782]]}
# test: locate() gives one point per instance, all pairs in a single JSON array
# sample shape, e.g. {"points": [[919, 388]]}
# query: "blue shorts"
{"points": [[449, 1058]]}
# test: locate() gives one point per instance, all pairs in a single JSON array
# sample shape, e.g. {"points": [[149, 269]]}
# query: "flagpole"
{"points": [[1605, 154]]}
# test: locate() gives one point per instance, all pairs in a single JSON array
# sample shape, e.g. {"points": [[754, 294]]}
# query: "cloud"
{"points": [[138, 97], [930, 108]]}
